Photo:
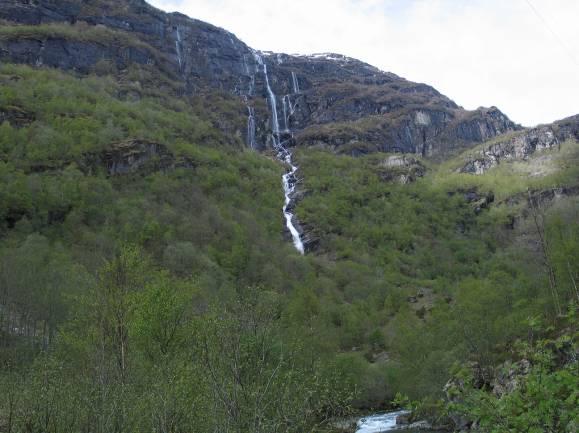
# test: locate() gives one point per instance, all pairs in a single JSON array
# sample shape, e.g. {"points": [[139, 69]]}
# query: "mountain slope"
{"points": [[329, 99], [147, 278]]}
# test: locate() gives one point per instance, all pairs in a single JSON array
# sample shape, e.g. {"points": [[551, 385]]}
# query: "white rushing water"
{"points": [[251, 84], [285, 113], [251, 127], [288, 110], [295, 82], [178, 48], [289, 186], [378, 423], [289, 179]]}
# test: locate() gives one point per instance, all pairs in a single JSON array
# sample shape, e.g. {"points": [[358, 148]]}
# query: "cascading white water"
{"points": [[288, 110], [251, 127], [251, 112], [178, 48], [295, 82], [285, 113], [289, 185], [289, 179], [378, 423], [273, 107], [251, 84]]}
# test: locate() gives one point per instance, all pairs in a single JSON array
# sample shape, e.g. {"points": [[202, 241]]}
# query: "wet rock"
{"points": [[416, 426], [403, 419]]}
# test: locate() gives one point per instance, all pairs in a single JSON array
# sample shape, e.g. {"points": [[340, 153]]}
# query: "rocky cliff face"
{"points": [[196, 53], [355, 108], [326, 100], [521, 145]]}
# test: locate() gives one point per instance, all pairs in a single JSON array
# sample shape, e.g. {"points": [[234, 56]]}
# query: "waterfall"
{"points": [[251, 127], [289, 180], [273, 107], [289, 185], [295, 82], [379, 423], [285, 113], [251, 85], [288, 110], [178, 48], [251, 112]]}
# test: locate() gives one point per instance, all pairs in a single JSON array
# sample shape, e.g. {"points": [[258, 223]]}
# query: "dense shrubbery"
{"points": [[537, 393], [399, 242], [209, 312]]}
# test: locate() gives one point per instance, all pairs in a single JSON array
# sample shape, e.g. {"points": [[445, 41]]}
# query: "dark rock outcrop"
{"points": [[197, 53], [62, 53], [130, 157], [16, 116], [568, 128]]}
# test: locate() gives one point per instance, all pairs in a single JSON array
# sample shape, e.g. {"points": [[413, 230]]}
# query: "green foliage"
{"points": [[73, 117], [169, 300], [544, 398]]}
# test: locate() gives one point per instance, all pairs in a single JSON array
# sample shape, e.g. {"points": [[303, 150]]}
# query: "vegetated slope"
{"points": [[145, 283]]}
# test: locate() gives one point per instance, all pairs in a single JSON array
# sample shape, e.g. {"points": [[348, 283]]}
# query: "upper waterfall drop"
{"points": [[273, 106], [288, 110], [178, 48], [296, 84]]}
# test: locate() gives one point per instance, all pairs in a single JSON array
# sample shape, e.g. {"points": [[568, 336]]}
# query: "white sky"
{"points": [[477, 52]]}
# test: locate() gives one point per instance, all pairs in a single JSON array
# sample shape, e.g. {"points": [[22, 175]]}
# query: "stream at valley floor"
{"points": [[378, 423], [384, 422]]}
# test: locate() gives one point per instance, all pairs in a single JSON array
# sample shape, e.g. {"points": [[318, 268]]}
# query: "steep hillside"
{"points": [[148, 280]]}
